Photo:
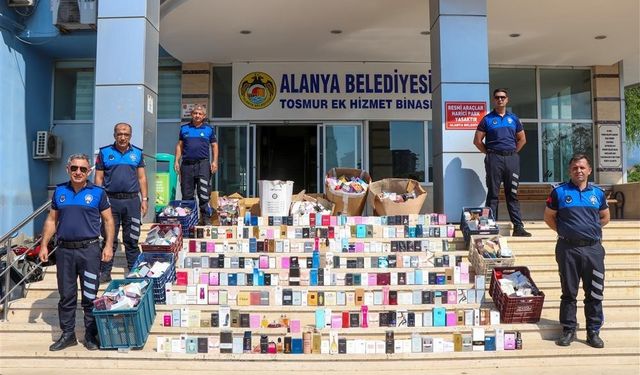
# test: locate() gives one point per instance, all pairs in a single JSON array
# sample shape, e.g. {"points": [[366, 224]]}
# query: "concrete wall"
{"points": [[23, 72], [631, 193]]}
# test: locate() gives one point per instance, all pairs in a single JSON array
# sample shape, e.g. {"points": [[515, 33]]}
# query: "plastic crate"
{"points": [[127, 328], [515, 309], [484, 266], [172, 248], [188, 222], [159, 292], [464, 226]]}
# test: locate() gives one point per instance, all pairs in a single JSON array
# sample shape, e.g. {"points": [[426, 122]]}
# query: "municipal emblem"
{"points": [[495, 122], [202, 134], [133, 157], [111, 157], [257, 90], [88, 198], [594, 200], [509, 120], [62, 198], [568, 199]]}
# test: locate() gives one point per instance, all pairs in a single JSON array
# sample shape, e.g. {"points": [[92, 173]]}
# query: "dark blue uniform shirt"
{"points": [[196, 141], [120, 168], [578, 215], [79, 214], [500, 131]]}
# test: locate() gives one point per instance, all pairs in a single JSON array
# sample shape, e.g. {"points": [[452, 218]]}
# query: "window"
{"points": [[396, 149], [564, 125], [560, 141], [222, 81], [521, 84], [565, 94], [169, 89], [74, 84]]}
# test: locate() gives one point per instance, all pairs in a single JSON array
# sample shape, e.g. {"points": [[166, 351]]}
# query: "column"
{"points": [[610, 149], [460, 73], [127, 76]]}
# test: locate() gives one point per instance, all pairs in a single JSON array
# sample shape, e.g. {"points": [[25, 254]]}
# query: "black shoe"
{"points": [[105, 277], [65, 341], [566, 338], [91, 343], [594, 340], [520, 232]]}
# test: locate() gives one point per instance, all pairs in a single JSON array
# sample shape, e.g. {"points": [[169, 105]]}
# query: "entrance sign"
{"points": [[331, 91], [464, 115], [610, 148]]}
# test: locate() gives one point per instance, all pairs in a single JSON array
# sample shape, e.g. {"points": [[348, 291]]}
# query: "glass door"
{"points": [[235, 153], [342, 146]]}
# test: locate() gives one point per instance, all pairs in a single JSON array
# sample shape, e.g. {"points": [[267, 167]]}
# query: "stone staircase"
{"points": [[32, 325]]}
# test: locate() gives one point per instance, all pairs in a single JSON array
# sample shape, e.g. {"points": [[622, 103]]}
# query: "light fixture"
{"points": [[600, 37], [514, 35], [425, 32], [245, 32], [336, 31]]}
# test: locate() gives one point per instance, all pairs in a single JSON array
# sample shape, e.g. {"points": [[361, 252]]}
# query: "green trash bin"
{"points": [[166, 180]]}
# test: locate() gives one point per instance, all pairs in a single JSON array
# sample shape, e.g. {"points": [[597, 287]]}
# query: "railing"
{"points": [[5, 242]]}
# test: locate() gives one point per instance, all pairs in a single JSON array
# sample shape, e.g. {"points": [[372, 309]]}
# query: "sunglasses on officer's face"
{"points": [[74, 168], [498, 97]]}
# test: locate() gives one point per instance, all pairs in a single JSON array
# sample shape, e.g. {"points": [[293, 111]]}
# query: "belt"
{"points": [[587, 242], [122, 195], [502, 153], [77, 244], [193, 161]]}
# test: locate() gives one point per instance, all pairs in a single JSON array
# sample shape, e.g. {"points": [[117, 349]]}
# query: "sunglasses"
{"points": [[497, 97], [74, 168]]}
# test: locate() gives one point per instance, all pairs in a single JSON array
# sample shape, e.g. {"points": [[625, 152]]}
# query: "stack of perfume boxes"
{"points": [[352, 285]]}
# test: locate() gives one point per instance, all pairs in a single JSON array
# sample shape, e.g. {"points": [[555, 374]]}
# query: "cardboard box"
{"points": [[384, 207], [351, 204], [251, 205], [315, 198]]}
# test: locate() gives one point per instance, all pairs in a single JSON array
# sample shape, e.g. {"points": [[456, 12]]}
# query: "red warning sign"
{"points": [[464, 115]]}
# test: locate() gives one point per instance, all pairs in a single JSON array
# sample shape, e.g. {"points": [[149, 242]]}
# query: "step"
{"points": [[547, 256]]}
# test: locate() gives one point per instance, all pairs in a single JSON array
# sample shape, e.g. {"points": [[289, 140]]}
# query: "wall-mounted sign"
{"points": [[331, 91], [464, 115], [610, 159]]}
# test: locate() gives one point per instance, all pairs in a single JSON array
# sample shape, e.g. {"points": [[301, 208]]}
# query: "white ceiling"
{"points": [[553, 32]]}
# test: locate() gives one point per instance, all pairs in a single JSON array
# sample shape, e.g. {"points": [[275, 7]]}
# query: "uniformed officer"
{"points": [[578, 210], [193, 159], [120, 169], [504, 137], [77, 208]]}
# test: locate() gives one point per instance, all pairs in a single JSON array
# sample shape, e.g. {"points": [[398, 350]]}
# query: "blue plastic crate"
{"points": [[159, 293], [188, 222], [126, 328]]}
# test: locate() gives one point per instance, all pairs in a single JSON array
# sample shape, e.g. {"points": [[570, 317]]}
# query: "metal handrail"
{"points": [[5, 241]]}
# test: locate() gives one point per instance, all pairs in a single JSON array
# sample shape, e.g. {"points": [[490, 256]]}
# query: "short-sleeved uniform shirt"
{"points": [[120, 168], [578, 212], [500, 131], [79, 213], [196, 141]]}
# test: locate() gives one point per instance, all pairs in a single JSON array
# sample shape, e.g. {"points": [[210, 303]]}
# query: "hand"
{"points": [[214, 167], [144, 207], [107, 253], [176, 166], [44, 253]]}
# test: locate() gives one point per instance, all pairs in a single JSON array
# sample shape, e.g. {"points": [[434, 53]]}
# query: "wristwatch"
{"points": [[145, 198]]}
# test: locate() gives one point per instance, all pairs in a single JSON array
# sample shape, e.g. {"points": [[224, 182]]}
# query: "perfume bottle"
{"points": [[264, 344], [246, 342], [285, 321], [271, 349], [306, 342], [264, 323], [518, 341], [364, 322], [279, 346]]}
